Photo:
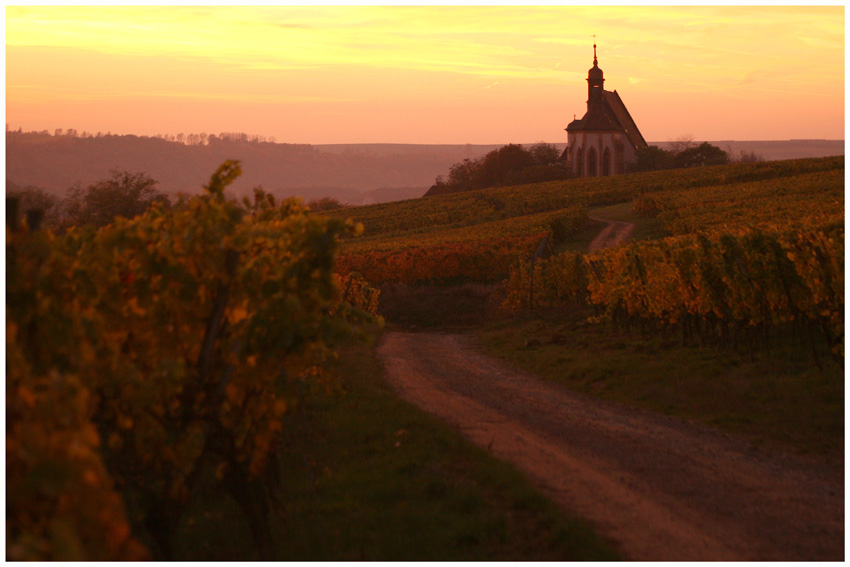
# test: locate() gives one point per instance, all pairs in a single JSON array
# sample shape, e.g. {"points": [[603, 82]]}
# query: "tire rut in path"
{"points": [[614, 233], [660, 488]]}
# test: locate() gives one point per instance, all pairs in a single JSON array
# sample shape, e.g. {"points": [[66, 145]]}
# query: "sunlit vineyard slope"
{"points": [[744, 258], [477, 235]]}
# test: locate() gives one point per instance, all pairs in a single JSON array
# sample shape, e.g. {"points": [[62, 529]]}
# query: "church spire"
{"points": [[595, 80]]}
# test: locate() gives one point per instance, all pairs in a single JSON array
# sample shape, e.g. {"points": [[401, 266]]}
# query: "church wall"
{"points": [[619, 150], [629, 153]]}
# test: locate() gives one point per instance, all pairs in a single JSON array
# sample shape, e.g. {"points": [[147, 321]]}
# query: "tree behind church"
{"points": [[653, 158], [703, 154], [509, 165]]}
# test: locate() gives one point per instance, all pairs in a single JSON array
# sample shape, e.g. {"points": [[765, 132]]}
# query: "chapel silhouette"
{"points": [[606, 138]]}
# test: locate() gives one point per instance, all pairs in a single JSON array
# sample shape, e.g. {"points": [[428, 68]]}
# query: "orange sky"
{"points": [[485, 74]]}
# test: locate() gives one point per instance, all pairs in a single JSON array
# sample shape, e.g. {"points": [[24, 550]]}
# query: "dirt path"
{"points": [[613, 234], [660, 488]]}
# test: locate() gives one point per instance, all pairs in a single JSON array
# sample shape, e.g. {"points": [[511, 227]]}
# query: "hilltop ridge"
{"points": [[352, 173]]}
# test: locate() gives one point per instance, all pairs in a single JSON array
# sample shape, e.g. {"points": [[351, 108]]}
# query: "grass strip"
{"points": [[776, 397], [371, 477], [367, 476]]}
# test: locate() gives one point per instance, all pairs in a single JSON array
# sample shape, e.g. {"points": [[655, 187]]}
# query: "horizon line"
{"points": [[266, 139]]}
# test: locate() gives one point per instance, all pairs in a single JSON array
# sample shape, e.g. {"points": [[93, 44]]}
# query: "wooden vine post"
{"points": [[541, 249]]}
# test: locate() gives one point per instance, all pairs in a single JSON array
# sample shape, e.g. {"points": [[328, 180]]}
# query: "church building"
{"points": [[606, 138]]}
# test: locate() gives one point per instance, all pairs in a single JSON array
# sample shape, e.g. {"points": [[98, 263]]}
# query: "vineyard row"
{"points": [[481, 253], [712, 286], [475, 207]]}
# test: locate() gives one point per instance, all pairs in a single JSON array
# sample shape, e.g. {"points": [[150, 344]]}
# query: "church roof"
{"points": [[615, 103], [610, 114], [598, 117]]}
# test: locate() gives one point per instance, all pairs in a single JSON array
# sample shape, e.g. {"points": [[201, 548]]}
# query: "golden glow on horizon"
{"points": [[348, 74]]}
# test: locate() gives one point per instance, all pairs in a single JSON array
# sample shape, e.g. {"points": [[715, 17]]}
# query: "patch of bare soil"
{"points": [[662, 489], [613, 234]]}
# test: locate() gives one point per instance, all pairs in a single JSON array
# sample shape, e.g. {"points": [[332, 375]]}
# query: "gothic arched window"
{"points": [[580, 162], [591, 162], [606, 162]]}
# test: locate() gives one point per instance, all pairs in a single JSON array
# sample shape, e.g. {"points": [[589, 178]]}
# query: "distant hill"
{"points": [[355, 174], [352, 173], [773, 150]]}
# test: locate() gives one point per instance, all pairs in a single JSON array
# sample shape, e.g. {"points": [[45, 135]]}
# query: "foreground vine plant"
{"points": [[173, 343]]}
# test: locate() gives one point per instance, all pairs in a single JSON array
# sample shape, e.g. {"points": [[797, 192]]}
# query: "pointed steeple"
{"points": [[595, 80]]}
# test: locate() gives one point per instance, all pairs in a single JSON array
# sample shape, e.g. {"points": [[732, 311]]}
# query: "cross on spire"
{"points": [[594, 49]]}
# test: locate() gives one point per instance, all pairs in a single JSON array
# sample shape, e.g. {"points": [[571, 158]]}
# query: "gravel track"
{"points": [[660, 488], [611, 235]]}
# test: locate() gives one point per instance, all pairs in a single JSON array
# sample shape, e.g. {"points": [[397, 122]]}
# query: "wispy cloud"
{"points": [[411, 54], [749, 78]]}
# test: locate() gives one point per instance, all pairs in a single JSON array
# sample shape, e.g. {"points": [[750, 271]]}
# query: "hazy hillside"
{"points": [[353, 173]]}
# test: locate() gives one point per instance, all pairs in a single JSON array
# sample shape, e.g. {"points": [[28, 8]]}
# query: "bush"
{"points": [[653, 158], [324, 204], [123, 195], [31, 198], [509, 165]]}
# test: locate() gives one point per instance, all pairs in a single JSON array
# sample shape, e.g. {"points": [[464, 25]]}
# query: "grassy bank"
{"points": [[776, 397], [367, 476]]}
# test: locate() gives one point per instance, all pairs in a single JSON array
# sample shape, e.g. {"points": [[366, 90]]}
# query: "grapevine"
{"points": [[183, 335]]}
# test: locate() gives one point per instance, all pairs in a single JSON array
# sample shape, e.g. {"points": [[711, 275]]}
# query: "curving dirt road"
{"points": [[660, 488], [611, 235]]}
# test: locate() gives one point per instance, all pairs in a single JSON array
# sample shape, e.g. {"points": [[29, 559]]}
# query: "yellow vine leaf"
{"points": [[136, 308], [26, 396], [238, 314]]}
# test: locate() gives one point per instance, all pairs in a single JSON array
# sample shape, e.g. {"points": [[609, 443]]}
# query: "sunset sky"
{"points": [[454, 75]]}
